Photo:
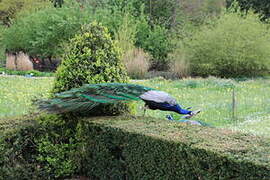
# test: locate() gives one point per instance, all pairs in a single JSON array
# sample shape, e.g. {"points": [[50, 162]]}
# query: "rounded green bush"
{"points": [[42, 33], [91, 57], [232, 46]]}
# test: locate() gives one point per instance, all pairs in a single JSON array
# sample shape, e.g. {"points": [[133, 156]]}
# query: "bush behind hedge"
{"points": [[92, 57], [232, 46]]}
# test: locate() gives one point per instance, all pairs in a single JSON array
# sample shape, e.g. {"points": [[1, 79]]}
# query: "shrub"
{"points": [[156, 42], [231, 46], [199, 11], [122, 148], [9, 10], [130, 30], [56, 145], [42, 33], [126, 33], [152, 38], [39, 149], [136, 61], [92, 57], [160, 12], [156, 149], [18, 153]]}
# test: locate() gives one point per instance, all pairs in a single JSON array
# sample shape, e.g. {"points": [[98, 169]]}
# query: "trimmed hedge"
{"points": [[158, 149], [136, 148]]}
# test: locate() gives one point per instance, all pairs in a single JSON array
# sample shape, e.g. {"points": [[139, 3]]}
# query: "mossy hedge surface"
{"points": [[160, 149], [132, 148]]}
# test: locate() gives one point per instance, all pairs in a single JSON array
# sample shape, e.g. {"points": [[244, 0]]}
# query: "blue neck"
{"points": [[179, 110]]}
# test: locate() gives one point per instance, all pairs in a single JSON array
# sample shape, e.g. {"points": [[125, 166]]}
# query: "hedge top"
{"points": [[235, 145]]}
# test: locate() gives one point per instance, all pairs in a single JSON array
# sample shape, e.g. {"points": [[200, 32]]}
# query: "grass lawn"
{"points": [[16, 93], [213, 96]]}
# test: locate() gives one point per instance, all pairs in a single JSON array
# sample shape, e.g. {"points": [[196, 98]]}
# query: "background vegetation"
{"points": [[162, 29], [261, 7], [171, 38], [42, 34], [10, 10], [231, 46]]}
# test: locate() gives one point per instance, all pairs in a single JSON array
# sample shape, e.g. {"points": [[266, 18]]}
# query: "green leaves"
{"points": [[262, 7], [231, 46], [91, 57], [44, 32]]}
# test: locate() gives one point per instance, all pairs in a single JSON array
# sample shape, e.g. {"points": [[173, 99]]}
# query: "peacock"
{"points": [[88, 96]]}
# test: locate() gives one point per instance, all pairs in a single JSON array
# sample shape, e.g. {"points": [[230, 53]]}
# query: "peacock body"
{"points": [[88, 96]]}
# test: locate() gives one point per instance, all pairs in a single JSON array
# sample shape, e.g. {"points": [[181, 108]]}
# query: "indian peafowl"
{"points": [[88, 96]]}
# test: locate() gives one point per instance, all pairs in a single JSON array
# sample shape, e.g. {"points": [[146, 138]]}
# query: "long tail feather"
{"points": [[87, 97]]}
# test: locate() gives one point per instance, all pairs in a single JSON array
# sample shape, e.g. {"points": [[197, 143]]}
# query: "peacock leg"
{"points": [[144, 109]]}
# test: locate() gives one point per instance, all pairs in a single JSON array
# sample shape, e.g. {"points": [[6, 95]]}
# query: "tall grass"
{"points": [[179, 65], [136, 61], [2, 57], [2, 47]]}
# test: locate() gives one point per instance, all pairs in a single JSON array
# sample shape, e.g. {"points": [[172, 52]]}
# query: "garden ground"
{"points": [[212, 95]]}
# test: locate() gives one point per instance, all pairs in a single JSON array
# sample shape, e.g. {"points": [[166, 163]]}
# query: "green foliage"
{"points": [[40, 149], [2, 47], [152, 38], [56, 145], [42, 33], [159, 12], [112, 19], [58, 3], [92, 57], [9, 10], [147, 148], [126, 34], [231, 46], [156, 42], [198, 12], [18, 152], [136, 61], [260, 6]]}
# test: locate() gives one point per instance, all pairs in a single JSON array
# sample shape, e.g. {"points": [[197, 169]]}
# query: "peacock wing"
{"points": [[158, 97], [89, 96]]}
